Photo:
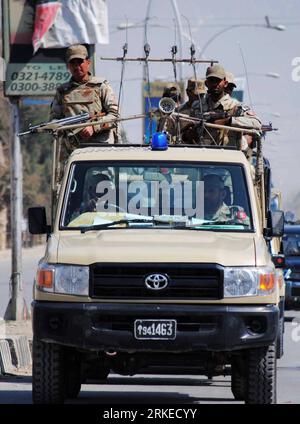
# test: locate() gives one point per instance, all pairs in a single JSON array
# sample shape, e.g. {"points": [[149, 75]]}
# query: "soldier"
{"points": [[218, 101], [85, 93], [194, 89], [170, 123], [246, 140], [231, 84], [173, 92], [215, 209]]}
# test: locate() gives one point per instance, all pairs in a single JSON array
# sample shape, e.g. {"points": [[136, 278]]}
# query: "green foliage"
{"points": [[37, 159]]}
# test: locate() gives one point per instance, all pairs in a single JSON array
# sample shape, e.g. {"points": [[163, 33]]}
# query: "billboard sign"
{"points": [[29, 74]]}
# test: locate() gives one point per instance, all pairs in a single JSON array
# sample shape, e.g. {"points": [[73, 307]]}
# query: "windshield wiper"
{"points": [[173, 224], [112, 223], [223, 223]]}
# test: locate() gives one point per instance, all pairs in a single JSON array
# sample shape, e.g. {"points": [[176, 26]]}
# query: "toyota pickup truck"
{"points": [[157, 261]]}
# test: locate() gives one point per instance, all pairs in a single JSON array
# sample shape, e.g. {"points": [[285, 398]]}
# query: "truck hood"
{"points": [[135, 245]]}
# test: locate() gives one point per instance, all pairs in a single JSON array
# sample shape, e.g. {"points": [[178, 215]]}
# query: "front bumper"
{"points": [[109, 326]]}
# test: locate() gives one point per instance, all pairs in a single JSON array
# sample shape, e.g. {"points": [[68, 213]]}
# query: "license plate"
{"points": [[155, 329]]}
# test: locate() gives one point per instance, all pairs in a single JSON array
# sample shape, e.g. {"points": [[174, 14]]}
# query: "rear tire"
{"points": [[47, 373], [261, 375]]}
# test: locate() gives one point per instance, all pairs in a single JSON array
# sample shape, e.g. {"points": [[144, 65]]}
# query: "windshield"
{"points": [[156, 195]]}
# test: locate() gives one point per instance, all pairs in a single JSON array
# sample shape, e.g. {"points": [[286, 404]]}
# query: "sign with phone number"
{"points": [[38, 79]]}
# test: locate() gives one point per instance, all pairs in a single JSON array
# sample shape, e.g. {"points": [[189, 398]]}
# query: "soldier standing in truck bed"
{"points": [[217, 101], [85, 93]]}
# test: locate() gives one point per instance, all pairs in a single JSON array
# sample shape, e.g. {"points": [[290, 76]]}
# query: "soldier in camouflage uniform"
{"points": [[231, 83], [194, 89], [217, 100], [215, 209], [83, 93], [170, 124], [174, 124]]}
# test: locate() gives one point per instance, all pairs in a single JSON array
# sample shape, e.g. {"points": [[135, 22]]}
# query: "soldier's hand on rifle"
{"points": [[87, 132], [219, 118], [223, 121]]}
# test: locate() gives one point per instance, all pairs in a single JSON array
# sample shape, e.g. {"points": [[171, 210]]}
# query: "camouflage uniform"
{"points": [[94, 96], [175, 124], [241, 116], [225, 213]]}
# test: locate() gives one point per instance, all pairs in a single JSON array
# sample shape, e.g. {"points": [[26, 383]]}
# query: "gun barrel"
{"points": [[57, 123]]}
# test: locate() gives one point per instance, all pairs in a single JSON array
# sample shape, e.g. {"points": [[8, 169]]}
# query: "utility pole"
{"points": [[16, 309]]}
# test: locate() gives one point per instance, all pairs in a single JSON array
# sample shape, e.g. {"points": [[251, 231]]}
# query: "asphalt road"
{"points": [[30, 260], [158, 389], [145, 389]]}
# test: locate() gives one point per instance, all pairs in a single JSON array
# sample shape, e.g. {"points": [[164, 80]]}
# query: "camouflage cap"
{"points": [[171, 88], [230, 78], [77, 51], [193, 85], [216, 71]]}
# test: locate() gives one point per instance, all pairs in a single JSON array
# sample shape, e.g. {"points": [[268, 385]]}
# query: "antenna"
{"points": [[246, 75], [125, 50]]}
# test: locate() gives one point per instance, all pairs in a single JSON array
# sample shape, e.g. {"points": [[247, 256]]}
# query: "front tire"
{"points": [[238, 383], [48, 380], [280, 338], [261, 375]]}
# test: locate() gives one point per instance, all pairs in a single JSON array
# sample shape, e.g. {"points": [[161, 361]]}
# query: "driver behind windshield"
{"points": [[101, 185], [215, 209]]}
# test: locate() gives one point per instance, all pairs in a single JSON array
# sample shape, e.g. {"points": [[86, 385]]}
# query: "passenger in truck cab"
{"points": [[215, 208], [99, 187]]}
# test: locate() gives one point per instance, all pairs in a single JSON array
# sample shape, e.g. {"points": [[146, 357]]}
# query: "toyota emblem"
{"points": [[156, 281]]}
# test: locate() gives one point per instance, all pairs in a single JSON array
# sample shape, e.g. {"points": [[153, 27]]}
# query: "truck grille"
{"points": [[127, 281]]}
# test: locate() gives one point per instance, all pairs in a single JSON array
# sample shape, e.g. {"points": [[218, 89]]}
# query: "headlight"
{"points": [[66, 279], [249, 281]]}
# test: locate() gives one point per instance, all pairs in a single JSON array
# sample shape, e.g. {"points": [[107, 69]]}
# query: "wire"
{"points": [[147, 77], [246, 75]]}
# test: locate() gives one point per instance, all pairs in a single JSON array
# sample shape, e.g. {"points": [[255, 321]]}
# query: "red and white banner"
{"points": [[75, 21], [45, 15]]}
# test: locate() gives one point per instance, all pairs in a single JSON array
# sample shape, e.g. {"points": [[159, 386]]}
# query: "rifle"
{"points": [[269, 127], [82, 120], [56, 123]]}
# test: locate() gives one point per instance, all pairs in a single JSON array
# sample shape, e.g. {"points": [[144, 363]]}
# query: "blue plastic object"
{"points": [[159, 141]]}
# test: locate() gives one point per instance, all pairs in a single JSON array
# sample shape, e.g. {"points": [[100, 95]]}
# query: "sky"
{"points": [[250, 47]]}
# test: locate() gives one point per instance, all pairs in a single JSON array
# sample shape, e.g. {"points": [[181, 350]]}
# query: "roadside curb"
{"points": [[15, 353], [6, 365], [15, 350]]}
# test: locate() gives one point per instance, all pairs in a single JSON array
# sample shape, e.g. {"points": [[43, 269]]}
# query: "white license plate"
{"points": [[155, 329]]}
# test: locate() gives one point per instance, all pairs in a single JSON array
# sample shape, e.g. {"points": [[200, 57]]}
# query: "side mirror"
{"points": [[275, 222], [37, 221]]}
